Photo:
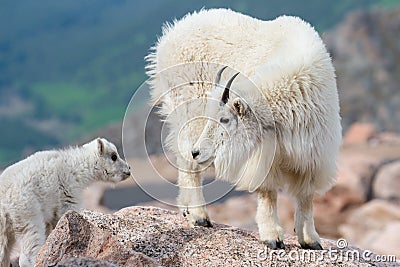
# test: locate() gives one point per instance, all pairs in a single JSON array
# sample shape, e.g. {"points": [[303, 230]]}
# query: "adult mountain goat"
{"points": [[276, 125]]}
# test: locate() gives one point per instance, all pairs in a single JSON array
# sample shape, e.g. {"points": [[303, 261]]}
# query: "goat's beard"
{"points": [[245, 164], [231, 160]]}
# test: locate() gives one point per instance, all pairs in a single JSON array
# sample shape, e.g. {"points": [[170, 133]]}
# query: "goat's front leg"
{"points": [[267, 219], [31, 239], [304, 223], [190, 200]]}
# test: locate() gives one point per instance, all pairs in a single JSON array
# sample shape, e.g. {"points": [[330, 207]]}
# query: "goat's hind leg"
{"points": [[191, 200], [304, 223], [270, 231]]}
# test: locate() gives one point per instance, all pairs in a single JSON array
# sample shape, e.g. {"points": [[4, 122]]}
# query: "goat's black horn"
{"points": [[225, 95], [218, 78]]}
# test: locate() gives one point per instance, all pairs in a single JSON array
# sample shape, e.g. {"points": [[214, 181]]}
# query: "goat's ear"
{"points": [[239, 106], [100, 146]]}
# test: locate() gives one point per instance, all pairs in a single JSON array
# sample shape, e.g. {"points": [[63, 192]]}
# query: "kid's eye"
{"points": [[114, 157], [224, 120]]}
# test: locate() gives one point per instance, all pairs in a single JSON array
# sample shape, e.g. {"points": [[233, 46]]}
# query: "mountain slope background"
{"points": [[68, 68]]}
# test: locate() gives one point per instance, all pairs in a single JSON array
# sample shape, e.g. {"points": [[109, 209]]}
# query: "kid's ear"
{"points": [[239, 106], [100, 146]]}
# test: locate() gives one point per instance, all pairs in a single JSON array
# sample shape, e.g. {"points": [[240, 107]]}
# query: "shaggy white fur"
{"points": [[37, 191], [280, 125]]}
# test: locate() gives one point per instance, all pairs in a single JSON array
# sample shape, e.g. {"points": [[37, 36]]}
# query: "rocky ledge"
{"points": [[148, 236]]}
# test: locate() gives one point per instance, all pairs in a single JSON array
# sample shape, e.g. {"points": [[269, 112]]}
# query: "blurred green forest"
{"points": [[68, 68]]}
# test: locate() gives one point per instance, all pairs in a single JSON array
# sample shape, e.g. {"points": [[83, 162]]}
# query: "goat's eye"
{"points": [[114, 157], [224, 120]]}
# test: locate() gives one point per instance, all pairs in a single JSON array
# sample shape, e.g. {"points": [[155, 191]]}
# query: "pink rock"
{"points": [[355, 172], [352, 189], [359, 133], [388, 137], [143, 236], [366, 224], [387, 182], [238, 211], [74, 237], [332, 209], [388, 240]]}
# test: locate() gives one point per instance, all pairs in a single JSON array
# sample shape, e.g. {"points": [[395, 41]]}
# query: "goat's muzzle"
{"points": [[195, 153]]}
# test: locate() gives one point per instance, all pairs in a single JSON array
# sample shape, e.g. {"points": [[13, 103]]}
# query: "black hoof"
{"points": [[275, 244], [315, 246], [203, 222], [185, 213]]}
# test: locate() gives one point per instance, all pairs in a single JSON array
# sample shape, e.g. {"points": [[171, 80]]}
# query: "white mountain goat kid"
{"points": [[277, 125], [37, 191]]}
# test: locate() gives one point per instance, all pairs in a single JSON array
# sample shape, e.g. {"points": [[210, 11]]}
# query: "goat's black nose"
{"points": [[195, 153]]}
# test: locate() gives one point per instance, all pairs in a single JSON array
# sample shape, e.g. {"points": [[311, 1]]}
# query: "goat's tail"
{"points": [[4, 244]]}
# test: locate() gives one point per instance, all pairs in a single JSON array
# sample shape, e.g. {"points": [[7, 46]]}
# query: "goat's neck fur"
{"points": [[83, 163]]}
